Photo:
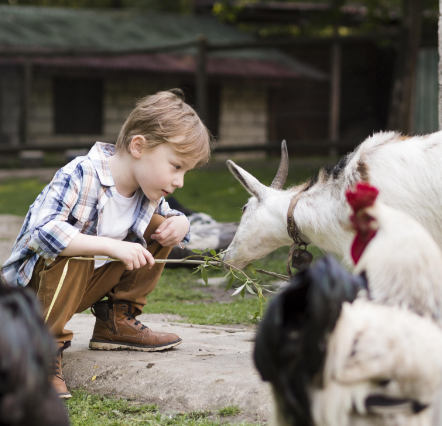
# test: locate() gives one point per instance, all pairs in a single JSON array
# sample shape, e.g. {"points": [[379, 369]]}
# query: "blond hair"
{"points": [[161, 118]]}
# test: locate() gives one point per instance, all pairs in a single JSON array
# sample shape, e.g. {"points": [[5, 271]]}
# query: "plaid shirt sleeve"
{"points": [[51, 233], [163, 209]]}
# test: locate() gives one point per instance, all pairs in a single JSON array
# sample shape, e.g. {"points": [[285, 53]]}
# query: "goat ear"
{"points": [[250, 183]]}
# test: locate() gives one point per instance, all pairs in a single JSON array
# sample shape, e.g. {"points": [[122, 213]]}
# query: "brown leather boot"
{"points": [[116, 328], [58, 383]]}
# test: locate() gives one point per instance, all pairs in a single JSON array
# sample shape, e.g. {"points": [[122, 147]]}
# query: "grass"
{"points": [[230, 410], [86, 409], [17, 195]]}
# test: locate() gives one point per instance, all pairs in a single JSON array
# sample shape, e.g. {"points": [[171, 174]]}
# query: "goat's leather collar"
{"points": [[299, 258]]}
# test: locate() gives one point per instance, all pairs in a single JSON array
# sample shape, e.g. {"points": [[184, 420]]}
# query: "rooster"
{"points": [[402, 261], [335, 360], [26, 354]]}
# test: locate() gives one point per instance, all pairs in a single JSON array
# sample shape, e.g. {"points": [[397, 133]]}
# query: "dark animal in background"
{"points": [[333, 360], [206, 232], [26, 354]]}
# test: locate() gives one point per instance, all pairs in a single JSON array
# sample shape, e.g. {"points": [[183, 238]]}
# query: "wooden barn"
{"points": [[69, 77]]}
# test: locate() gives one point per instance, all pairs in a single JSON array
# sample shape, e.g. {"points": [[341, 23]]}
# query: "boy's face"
{"points": [[160, 170]]}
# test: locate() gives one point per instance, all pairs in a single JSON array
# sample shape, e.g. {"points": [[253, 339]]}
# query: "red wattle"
{"points": [[359, 243]]}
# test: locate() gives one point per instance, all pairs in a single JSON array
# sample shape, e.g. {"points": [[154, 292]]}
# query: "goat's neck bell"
{"points": [[301, 258]]}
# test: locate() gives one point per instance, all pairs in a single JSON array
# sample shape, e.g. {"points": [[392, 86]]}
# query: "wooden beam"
{"points": [[252, 44], [401, 104], [335, 96], [25, 103], [201, 79]]}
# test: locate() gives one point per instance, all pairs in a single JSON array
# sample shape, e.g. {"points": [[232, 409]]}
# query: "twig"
{"points": [[195, 262], [273, 274]]}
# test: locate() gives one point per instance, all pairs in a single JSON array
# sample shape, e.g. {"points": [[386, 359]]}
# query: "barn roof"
{"points": [[42, 29]]}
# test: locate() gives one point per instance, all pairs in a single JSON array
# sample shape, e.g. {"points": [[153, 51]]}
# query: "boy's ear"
{"points": [[136, 146]]}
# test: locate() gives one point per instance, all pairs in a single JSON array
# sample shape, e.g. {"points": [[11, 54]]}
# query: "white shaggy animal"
{"points": [[406, 171], [378, 353], [336, 361]]}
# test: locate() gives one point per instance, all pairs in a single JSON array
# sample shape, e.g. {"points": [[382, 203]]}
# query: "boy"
{"points": [[111, 203]]}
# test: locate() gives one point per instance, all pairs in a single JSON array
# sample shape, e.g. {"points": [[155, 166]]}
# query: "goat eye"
{"points": [[244, 208]]}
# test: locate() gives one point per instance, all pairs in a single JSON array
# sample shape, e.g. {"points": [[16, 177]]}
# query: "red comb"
{"points": [[363, 196]]}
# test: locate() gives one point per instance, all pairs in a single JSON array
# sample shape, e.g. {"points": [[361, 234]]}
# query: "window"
{"points": [[78, 106]]}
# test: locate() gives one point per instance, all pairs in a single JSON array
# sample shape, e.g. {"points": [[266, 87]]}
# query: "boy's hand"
{"points": [[171, 231], [133, 255]]}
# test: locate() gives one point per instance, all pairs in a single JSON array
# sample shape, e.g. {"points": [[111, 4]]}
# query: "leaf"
{"points": [[197, 251], [251, 269], [238, 290], [204, 275], [257, 314], [212, 252], [197, 269], [230, 283], [93, 378], [249, 289], [243, 291]]}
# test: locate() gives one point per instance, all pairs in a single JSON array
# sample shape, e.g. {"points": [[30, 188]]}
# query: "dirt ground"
{"points": [[212, 368]]}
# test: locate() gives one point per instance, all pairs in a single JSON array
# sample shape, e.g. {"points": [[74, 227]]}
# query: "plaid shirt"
{"points": [[73, 202]]}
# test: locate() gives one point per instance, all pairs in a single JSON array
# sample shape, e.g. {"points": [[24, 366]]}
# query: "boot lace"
{"points": [[131, 317]]}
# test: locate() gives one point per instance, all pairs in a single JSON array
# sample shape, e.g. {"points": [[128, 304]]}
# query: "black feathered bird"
{"points": [[333, 360], [26, 355]]}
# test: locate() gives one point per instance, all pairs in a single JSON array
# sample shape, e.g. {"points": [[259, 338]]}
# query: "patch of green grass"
{"points": [[240, 311], [230, 410], [86, 409], [17, 195], [176, 285]]}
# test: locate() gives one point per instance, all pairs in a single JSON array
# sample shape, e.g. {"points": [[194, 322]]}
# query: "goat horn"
{"points": [[283, 169]]}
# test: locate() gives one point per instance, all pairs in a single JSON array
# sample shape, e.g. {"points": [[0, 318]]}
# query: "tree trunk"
{"points": [[402, 99]]}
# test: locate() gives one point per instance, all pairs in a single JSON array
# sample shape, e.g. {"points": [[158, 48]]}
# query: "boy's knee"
{"points": [[154, 223]]}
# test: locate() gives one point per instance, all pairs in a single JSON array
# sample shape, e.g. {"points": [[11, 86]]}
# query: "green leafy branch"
{"points": [[214, 261], [248, 280]]}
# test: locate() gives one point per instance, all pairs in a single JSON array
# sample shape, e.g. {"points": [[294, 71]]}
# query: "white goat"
{"points": [[407, 172]]}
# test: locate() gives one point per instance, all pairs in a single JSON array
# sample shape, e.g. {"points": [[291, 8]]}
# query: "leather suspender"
{"points": [[299, 257]]}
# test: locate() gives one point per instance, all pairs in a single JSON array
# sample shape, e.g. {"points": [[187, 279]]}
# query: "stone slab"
{"points": [[212, 368]]}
